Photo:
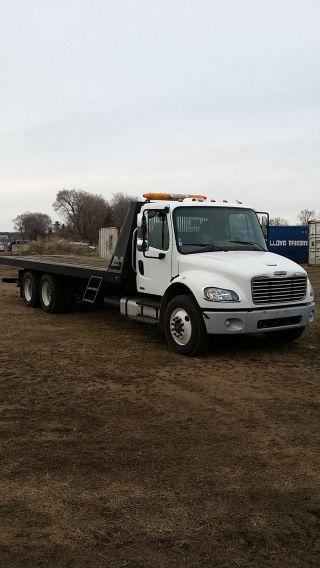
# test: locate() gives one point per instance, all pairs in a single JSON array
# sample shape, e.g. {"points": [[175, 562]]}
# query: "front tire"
{"points": [[51, 294], [285, 335], [30, 289], [184, 326]]}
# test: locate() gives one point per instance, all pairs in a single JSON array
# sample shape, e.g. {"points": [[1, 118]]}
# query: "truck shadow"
{"points": [[223, 345]]}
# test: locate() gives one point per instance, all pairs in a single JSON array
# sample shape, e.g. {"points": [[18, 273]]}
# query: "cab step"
{"points": [[142, 309], [145, 319], [149, 302]]}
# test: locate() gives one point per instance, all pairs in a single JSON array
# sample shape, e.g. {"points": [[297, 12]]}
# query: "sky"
{"points": [[215, 97]]}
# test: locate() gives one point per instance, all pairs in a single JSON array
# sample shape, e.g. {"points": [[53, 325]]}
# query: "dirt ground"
{"points": [[117, 453]]}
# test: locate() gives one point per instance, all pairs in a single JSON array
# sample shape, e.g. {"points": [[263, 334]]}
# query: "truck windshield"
{"points": [[207, 229]]}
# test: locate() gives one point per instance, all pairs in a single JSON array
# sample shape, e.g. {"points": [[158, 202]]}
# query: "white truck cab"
{"points": [[208, 264]]}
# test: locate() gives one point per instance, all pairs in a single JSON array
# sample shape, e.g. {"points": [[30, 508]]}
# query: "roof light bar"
{"points": [[172, 196]]}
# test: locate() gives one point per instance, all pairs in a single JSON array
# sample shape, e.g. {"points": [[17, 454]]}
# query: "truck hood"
{"points": [[239, 264]]}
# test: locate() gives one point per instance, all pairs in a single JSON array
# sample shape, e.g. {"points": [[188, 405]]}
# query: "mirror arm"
{"points": [[160, 256]]}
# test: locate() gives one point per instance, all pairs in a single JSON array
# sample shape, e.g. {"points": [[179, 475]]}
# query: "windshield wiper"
{"points": [[205, 247], [249, 243]]}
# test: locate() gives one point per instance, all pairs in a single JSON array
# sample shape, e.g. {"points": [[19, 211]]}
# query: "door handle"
{"points": [[141, 267]]}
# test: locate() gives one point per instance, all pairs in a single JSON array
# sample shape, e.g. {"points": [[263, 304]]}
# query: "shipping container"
{"points": [[314, 243], [108, 238], [290, 241]]}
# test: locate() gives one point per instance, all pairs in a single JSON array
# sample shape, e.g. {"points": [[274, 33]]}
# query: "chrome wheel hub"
{"points": [[180, 326], [28, 290], [46, 293]]}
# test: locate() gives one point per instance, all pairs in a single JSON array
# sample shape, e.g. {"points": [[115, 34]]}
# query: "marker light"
{"points": [[197, 196]]}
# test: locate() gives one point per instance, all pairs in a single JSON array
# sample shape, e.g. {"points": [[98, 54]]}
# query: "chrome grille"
{"points": [[278, 290]]}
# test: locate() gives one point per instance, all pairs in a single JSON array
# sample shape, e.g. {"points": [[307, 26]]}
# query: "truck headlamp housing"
{"points": [[220, 295], [311, 292]]}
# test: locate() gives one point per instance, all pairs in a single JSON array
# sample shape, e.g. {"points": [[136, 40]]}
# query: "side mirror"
{"points": [[264, 227], [142, 246], [142, 235], [264, 223]]}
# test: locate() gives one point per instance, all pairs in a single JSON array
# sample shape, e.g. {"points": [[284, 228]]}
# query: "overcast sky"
{"points": [[160, 95]]}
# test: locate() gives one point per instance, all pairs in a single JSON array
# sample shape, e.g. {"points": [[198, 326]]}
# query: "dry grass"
{"points": [[59, 246], [117, 453]]}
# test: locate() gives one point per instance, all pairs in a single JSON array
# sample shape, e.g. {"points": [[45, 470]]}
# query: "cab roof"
{"points": [[177, 200]]}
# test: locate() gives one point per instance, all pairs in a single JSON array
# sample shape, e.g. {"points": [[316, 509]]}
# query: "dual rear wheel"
{"points": [[47, 291], [30, 289]]}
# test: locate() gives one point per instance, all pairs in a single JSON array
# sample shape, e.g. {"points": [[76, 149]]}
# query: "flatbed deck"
{"points": [[75, 266]]}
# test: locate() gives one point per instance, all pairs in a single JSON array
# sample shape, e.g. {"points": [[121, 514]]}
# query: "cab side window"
{"points": [[158, 230]]}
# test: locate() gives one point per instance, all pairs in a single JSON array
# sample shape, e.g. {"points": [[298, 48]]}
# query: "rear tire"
{"points": [[285, 335], [51, 294], [184, 326], [30, 289]]}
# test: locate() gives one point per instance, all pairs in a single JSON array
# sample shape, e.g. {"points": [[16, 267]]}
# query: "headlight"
{"points": [[220, 295], [310, 289]]}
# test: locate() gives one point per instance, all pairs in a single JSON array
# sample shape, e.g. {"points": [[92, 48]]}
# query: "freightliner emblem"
{"points": [[280, 273]]}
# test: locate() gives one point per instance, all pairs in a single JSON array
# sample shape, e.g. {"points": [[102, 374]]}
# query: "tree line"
{"points": [[82, 214], [304, 216]]}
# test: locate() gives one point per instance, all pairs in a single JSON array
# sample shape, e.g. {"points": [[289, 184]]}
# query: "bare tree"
{"points": [[83, 213], [68, 205], [279, 222], [306, 215], [120, 204], [96, 213], [56, 228], [32, 225]]}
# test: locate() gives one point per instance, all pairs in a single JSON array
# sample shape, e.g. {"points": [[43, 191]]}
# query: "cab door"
{"points": [[153, 262]]}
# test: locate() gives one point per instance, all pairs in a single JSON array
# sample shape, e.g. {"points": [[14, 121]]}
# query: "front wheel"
{"points": [[285, 335], [184, 326]]}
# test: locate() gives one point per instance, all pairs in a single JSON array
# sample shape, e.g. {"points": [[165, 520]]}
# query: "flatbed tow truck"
{"points": [[191, 266]]}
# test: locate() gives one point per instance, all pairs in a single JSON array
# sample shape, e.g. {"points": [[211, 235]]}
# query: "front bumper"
{"points": [[255, 321]]}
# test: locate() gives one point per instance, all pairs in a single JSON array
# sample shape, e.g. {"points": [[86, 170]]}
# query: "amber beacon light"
{"points": [[172, 196]]}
